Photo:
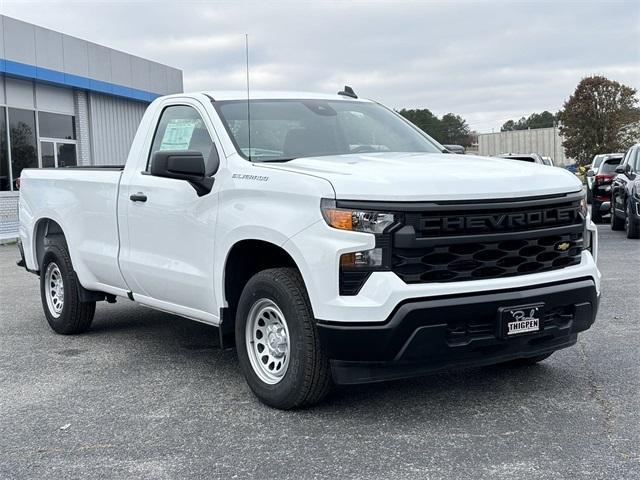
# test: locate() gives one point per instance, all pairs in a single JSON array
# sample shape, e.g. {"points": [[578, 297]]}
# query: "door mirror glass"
{"points": [[591, 173], [620, 169], [182, 165]]}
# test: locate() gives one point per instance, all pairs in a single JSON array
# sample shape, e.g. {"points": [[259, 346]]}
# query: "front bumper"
{"points": [[423, 336]]}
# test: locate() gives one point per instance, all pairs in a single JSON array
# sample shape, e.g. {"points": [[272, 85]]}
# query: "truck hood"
{"points": [[431, 176]]}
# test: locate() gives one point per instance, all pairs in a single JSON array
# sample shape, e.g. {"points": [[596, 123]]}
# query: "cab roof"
{"points": [[278, 95]]}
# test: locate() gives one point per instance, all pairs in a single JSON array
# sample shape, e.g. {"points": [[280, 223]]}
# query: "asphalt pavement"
{"points": [[148, 395]]}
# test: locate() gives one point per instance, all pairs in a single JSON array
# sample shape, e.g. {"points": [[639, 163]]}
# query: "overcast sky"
{"points": [[487, 61]]}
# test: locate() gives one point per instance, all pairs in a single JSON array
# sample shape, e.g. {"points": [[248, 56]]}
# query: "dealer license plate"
{"points": [[523, 319]]}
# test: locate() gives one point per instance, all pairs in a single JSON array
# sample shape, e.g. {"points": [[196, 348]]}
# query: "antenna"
{"points": [[246, 48]]}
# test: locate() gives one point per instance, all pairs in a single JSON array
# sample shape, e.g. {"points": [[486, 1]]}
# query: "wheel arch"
{"points": [[44, 227], [244, 259]]}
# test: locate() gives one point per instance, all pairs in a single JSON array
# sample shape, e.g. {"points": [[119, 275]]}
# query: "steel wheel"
{"points": [[54, 289], [267, 341]]}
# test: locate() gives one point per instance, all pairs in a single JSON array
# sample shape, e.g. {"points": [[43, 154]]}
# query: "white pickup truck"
{"points": [[334, 241]]}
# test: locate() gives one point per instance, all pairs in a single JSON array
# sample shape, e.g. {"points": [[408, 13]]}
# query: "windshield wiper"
{"points": [[273, 160]]}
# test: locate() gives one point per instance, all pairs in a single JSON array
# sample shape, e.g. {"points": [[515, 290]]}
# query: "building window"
{"points": [[66, 155], [5, 173], [56, 137], [55, 125], [22, 138], [47, 151]]}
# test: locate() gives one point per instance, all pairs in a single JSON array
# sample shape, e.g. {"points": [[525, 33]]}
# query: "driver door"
{"points": [[167, 257]]}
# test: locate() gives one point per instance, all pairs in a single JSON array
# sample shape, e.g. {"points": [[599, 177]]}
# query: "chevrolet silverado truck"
{"points": [[331, 240]]}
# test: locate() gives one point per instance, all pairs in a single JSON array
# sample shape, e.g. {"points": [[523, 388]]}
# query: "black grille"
{"points": [[480, 241], [481, 260]]}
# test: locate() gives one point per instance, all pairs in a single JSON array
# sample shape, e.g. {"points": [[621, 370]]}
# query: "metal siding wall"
{"points": [[113, 123], [545, 141], [87, 64]]}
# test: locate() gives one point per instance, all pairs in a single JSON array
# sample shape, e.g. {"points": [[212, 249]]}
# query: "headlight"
{"points": [[586, 238], [584, 208], [355, 220], [366, 259], [586, 233], [356, 267], [637, 185]]}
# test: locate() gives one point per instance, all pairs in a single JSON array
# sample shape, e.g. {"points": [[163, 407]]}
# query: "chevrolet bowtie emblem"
{"points": [[563, 246]]}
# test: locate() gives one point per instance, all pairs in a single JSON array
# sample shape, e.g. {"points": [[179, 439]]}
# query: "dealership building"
{"points": [[65, 101]]}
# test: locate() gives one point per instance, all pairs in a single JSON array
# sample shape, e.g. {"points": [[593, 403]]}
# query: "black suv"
{"points": [[601, 186], [625, 194]]}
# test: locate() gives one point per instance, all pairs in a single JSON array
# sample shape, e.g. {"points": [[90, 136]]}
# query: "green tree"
{"points": [[455, 130], [601, 116], [535, 120], [425, 121]]}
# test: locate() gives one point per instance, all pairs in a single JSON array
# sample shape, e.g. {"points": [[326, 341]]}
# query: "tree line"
{"points": [[451, 129], [601, 116]]}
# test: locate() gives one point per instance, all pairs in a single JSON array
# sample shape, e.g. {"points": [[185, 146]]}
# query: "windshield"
{"points": [[287, 129]]}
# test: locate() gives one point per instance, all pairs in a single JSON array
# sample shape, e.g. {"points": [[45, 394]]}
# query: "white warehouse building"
{"points": [[65, 102], [544, 141]]}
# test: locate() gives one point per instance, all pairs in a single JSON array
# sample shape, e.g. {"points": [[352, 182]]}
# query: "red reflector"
{"points": [[603, 178]]}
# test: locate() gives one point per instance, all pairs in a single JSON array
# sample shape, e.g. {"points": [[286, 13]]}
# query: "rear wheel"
{"points": [[64, 311], [631, 224], [277, 341]]}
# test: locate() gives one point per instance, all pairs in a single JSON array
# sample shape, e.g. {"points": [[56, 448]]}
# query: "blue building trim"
{"points": [[54, 77]]}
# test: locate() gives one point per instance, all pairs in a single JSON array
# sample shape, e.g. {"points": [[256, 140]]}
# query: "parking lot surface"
{"points": [[144, 394]]}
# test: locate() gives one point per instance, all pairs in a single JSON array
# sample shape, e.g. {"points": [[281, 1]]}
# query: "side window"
{"points": [[181, 128]]}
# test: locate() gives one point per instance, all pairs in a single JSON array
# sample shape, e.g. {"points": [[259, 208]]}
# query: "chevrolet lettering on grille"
{"points": [[498, 222]]}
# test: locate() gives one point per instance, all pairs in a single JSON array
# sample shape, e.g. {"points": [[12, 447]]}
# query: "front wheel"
{"points": [[631, 225], [616, 222], [64, 311], [277, 341]]}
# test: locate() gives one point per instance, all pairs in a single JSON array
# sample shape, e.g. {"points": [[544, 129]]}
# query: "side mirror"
{"points": [[620, 169], [182, 165], [591, 173]]}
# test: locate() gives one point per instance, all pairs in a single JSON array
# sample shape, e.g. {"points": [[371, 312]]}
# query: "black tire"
{"points": [[527, 361], [307, 380], [75, 316], [596, 216], [631, 224], [616, 222]]}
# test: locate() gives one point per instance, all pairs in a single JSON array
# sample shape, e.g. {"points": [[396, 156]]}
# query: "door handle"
{"points": [[138, 197]]}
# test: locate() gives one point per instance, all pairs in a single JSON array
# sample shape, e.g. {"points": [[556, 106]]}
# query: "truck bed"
{"points": [[83, 201]]}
